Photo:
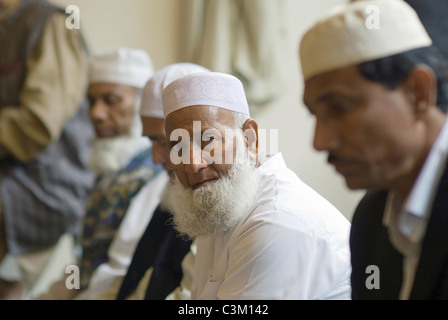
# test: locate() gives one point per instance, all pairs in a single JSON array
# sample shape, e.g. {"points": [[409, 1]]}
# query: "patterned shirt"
{"points": [[106, 208]]}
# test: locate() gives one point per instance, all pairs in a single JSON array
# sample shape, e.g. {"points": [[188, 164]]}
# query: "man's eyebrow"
{"points": [[329, 96]]}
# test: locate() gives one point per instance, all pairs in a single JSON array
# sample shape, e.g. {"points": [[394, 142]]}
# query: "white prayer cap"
{"points": [[152, 93], [127, 66], [359, 32], [209, 89]]}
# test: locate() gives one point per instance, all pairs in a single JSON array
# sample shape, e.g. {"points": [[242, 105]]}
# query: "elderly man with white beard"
{"points": [[261, 232], [129, 184]]}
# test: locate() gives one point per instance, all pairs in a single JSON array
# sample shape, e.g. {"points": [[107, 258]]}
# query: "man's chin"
{"points": [[357, 183]]}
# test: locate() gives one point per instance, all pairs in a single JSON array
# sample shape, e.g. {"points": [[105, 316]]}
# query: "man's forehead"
{"points": [[332, 82], [153, 128], [104, 87], [208, 116]]}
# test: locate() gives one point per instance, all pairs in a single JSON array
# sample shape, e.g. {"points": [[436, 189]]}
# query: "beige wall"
{"points": [[147, 24], [154, 25], [295, 123]]}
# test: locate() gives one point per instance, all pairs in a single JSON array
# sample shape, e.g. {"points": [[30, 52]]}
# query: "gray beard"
{"points": [[112, 154]]}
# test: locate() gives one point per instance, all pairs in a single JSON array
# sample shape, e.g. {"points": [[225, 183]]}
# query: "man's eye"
{"points": [[112, 100], [339, 108]]}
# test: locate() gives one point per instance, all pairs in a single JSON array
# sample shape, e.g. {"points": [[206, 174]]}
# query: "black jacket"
{"points": [[160, 247], [370, 245]]}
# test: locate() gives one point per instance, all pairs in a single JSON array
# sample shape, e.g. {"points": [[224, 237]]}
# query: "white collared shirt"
{"points": [[294, 244], [406, 232]]}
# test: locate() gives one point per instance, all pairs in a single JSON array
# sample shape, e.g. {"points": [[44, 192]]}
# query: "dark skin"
{"points": [[111, 108], [375, 137], [154, 129]]}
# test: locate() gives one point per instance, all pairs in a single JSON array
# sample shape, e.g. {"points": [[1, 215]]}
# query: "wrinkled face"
{"points": [[154, 129], [209, 142], [371, 134], [111, 108]]}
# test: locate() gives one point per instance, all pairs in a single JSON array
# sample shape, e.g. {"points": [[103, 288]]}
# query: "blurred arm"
{"points": [[52, 93]]}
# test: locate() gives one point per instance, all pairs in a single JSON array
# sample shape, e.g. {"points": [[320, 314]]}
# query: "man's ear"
{"points": [[421, 86], [250, 134]]}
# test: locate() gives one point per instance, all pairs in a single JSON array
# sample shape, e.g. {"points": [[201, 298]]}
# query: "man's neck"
{"points": [[435, 122]]}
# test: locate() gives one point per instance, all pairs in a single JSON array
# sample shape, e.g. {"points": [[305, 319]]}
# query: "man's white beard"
{"points": [[217, 207], [112, 154]]}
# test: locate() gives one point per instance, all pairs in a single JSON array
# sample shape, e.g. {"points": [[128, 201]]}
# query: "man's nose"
{"points": [[197, 161], [98, 111], [325, 136]]}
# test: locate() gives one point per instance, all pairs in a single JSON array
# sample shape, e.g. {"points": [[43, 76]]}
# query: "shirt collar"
{"points": [[416, 207], [423, 191]]}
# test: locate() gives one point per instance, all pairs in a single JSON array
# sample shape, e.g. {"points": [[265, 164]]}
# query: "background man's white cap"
{"points": [[152, 93], [127, 66], [209, 89], [359, 32]]}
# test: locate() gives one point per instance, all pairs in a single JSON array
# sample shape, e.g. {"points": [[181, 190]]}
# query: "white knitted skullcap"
{"points": [[127, 66], [359, 32], [208, 89], [152, 93]]}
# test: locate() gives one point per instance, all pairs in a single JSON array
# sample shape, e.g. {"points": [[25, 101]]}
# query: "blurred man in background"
{"points": [[128, 182], [156, 268], [45, 137]]}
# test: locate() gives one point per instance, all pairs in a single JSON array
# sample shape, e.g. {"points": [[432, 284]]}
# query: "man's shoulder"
{"points": [[284, 192], [368, 234], [370, 208], [39, 8], [300, 221], [370, 246]]}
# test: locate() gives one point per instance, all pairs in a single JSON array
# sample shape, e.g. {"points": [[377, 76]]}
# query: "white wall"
{"points": [[294, 122], [154, 25]]}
